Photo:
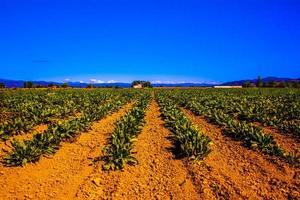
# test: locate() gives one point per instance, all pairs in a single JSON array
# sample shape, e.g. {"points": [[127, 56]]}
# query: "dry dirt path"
{"points": [[158, 175], [231, 171], [60, 176]]}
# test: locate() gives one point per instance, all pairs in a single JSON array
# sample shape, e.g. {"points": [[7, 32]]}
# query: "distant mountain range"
{"points": [[264, 80], [20, 83], [182, 85]]}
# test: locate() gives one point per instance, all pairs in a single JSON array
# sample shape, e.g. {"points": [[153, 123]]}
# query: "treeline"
{"points": [[144, 84], [272, 84], [30, 84]]}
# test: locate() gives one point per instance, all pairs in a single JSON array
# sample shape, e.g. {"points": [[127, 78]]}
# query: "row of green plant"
{"points": [[281, 112], [119, 151], [187, 140], [252, 135], [48, 142], [26, 109], [279, 108]]}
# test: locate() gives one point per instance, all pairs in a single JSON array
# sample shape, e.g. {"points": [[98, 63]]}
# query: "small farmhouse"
{"points": [[138, 86]]}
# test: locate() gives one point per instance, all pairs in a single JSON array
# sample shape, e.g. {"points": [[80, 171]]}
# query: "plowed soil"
{"points": [[158, 174], [287, 141], [58, 177], [5, 146], [232, 171]]}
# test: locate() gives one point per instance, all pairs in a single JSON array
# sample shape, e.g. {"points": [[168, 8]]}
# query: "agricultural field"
{"points": [[161, 143]]}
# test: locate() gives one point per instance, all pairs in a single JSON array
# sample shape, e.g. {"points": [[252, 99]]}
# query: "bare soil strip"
{"points": [[59, 177], [6, 146], [288, 142], [158, 175], [231, 171]]}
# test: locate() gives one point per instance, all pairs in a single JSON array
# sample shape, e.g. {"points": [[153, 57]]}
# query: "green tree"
{"points": [[144, 83], [90, 86], [280, 84], [259, 82], [65, 85], [297, 84], [273, 84], [266, 84], [2, 85], [288, 84], [247, 84], [28, 84]]}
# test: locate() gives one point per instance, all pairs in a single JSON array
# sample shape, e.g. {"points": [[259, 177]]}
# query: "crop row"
{"points": [[250, 134], [48, 142], [281, 111], [40, 107], [187, 140], [119, 150]]}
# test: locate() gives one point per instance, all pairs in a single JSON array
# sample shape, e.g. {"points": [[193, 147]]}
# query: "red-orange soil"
{"points": [[286, 141], [232, 171], [60, 176], [158, 175], [6, 146]]}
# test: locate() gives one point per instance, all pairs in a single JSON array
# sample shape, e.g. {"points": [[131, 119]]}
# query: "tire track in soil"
{"points": [[232, 171], [158, 175], [59, 177]]}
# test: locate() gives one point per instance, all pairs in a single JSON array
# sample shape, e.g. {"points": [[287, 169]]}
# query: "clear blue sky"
{"points": [[155, 40]]}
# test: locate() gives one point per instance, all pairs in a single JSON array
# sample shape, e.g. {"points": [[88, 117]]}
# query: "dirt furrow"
{"points": [[231, 171], [158, 175], [5, 146], [60, 176], [288, 142]]}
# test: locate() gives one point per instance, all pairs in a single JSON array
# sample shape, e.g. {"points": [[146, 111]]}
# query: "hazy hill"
{"points": [[264, 80], [20, 83]]}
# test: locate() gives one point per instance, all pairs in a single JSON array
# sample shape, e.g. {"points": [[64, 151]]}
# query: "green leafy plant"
{"points": [[118, 152], [48, 142], [186, 138]]}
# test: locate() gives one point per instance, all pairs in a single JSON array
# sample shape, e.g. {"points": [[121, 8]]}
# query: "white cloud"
{"points": [[67, 80], [157, 81], [182, 82], [93, 80], [170, 82], [111, 81], [81, 81], [165, 82], [206, 82]]}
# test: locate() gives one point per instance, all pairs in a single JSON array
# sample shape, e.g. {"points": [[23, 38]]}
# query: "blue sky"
{"points": [[191, 41]]}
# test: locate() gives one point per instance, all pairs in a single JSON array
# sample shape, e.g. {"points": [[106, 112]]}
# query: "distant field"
{"points": [[162, 143]]}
